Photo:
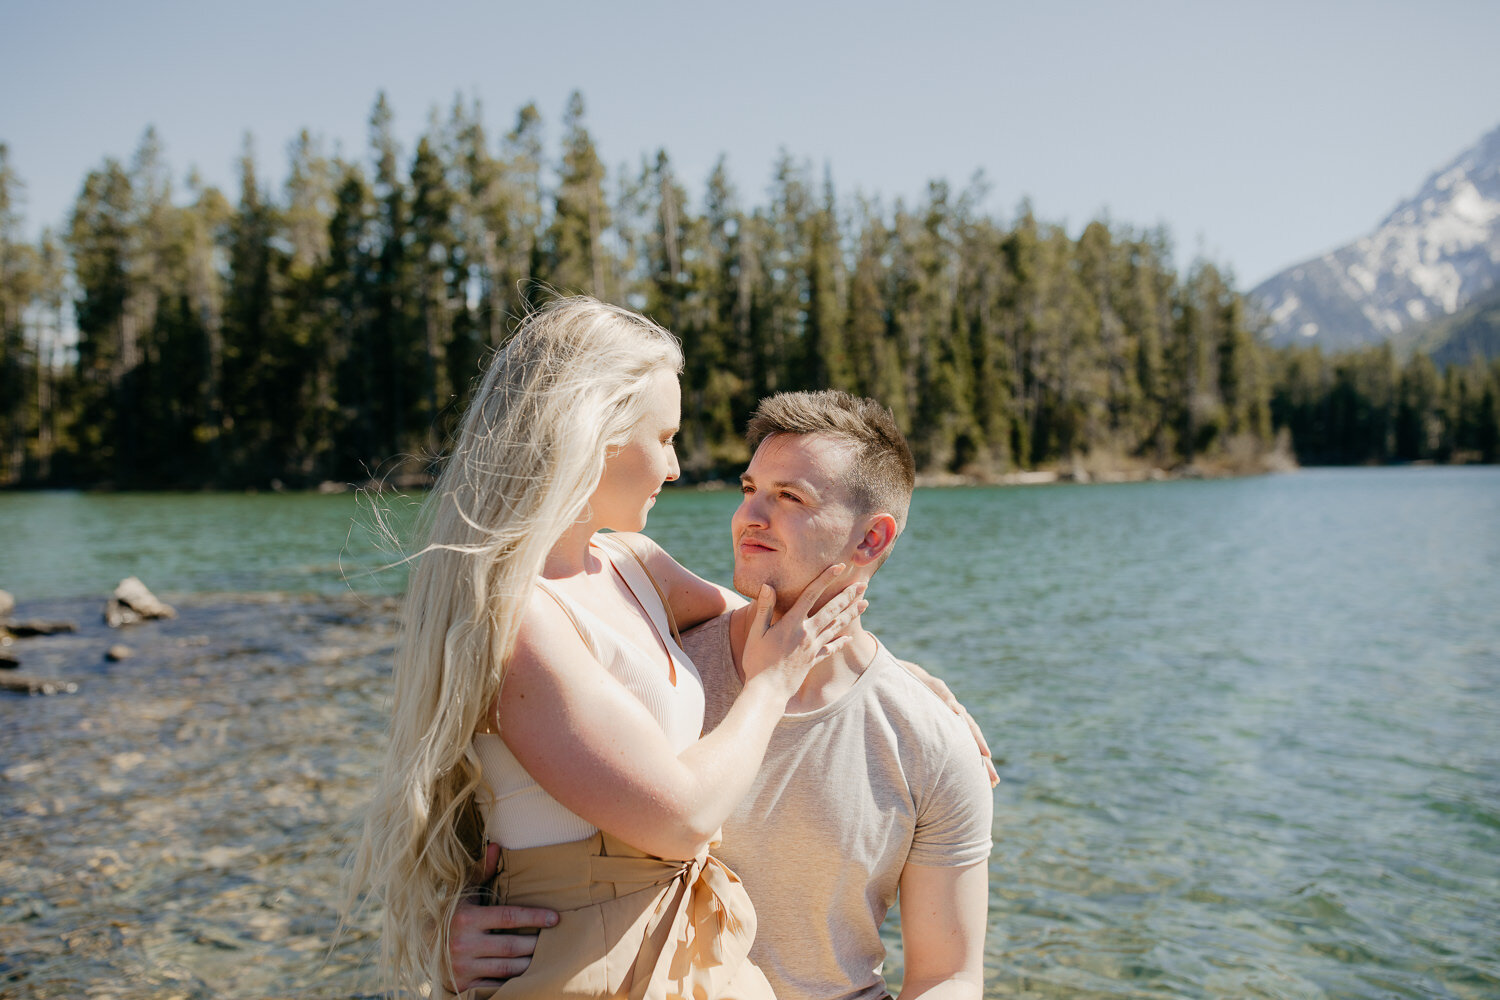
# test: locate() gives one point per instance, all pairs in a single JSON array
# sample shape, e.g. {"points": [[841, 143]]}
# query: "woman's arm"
{"points": [[693, 599], [595, 748]]}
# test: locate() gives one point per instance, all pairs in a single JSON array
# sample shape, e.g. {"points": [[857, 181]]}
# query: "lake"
{"points": [[1248, 731]]}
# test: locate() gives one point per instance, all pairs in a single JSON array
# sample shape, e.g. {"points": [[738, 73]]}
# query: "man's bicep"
{"points": [[944, 914]]}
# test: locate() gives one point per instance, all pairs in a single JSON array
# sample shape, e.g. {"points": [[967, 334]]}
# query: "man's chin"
{"points": [[749, 586]]}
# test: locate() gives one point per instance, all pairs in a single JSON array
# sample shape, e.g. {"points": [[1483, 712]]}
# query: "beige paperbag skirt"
{"points": [[630, 925]]}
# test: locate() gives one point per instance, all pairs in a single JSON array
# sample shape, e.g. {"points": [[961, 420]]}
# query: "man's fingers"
{"points": [[494, 971], [506, 968], [504, 947], [491, 862], [510, 918]]}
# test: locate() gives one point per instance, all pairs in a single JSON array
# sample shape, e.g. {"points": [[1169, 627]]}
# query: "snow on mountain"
{"points": [[1431, 256]]}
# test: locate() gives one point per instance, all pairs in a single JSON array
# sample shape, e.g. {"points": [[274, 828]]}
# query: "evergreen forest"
{"points": [[330, 331]]}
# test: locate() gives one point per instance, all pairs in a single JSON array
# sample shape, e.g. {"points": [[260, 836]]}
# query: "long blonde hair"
{"points": [[567, 388]]}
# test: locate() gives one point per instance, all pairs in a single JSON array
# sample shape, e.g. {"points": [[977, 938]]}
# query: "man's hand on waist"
{"points": [[480, 953]]}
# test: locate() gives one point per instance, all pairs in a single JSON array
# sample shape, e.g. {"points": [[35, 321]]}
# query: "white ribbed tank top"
{"points": [[518, 813]]}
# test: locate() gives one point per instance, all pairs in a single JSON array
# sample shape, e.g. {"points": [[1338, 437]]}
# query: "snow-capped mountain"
{"points": [[1430, 257]]}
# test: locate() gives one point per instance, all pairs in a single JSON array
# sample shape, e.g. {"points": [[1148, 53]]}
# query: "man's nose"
{"points": [[750, 512]]}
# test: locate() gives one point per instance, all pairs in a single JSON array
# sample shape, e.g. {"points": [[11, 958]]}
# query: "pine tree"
{"points": [[396, 338], [99, 244], [521, 236], [20, 281], [206, 223], [354, 341], [51, 382], [827, 355], [432, 250], [721, 397], [252, 393], [575, 241], [981, 279], [307, 328]]}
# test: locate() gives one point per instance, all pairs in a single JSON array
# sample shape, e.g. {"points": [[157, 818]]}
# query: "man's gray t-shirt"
{"points": [[849, 794]]}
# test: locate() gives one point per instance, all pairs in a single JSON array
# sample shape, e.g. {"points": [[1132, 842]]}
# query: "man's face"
{"points": [[795, 518]]}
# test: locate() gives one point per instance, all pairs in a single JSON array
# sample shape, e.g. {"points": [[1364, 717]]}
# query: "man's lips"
{"points": [[754, 545]]}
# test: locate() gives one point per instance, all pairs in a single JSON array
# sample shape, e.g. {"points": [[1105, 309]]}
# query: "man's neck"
{"points": [[829, 678]]}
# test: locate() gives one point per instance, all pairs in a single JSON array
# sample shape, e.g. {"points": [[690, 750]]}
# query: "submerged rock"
{"points": [[118, 652], [32, 629], [8, 660], [7, 605], [26, 684], [132, 602]]}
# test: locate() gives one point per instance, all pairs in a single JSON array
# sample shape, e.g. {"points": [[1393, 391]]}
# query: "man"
{"points": [[871, 784]]}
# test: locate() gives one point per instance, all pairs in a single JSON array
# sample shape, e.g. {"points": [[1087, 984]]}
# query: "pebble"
{"points": [[118, 652]]}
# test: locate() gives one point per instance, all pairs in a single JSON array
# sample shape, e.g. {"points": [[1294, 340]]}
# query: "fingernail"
{"points": [[863, 605]]}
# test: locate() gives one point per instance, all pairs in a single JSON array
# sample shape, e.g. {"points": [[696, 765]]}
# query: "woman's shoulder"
{"points": [[549, 631]]}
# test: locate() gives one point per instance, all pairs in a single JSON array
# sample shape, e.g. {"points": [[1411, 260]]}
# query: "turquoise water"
{"points": [[1248, 730]]}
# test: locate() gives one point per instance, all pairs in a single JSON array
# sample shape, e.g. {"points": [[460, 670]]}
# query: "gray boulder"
{"points": [[132, 602]]}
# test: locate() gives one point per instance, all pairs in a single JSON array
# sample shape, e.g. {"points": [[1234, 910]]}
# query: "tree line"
{"points": [[331, 331]]}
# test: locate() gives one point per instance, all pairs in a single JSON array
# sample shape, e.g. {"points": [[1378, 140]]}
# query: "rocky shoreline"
{"points": [[176, 827], [130, 603]]}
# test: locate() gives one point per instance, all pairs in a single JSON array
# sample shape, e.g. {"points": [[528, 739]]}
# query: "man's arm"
{"points": [[944, 913]]}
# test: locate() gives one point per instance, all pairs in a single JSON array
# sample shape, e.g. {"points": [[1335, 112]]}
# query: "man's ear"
{"points": [[879, 536]]}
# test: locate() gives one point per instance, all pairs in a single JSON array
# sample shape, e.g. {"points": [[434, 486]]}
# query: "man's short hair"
{"points": [[882, 475]]}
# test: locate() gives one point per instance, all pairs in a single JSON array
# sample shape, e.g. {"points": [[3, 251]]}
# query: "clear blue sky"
{"points": [[1261, 133]]}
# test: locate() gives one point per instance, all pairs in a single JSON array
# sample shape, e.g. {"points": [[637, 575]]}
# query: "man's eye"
{"points": [[790, 496], [746, 489]]}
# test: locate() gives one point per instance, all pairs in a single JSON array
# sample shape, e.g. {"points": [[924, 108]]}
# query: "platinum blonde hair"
{"points": [[567, 388]]}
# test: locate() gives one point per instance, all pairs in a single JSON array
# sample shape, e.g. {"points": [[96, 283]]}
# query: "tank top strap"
{"points": [[566, 603], [647, 591]]}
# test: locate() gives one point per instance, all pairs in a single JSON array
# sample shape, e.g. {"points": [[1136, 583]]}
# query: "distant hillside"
{"points": [[1431, 256], [1472, 332]]}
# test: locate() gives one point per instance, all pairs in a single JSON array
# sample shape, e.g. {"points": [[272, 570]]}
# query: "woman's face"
{"points": [[634, 473]]}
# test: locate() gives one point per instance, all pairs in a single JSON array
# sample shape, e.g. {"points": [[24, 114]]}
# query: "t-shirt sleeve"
{"points": [[955, 816]]}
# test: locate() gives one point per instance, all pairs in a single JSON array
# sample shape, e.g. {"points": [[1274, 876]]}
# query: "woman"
{"points": [[539, 697]]}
